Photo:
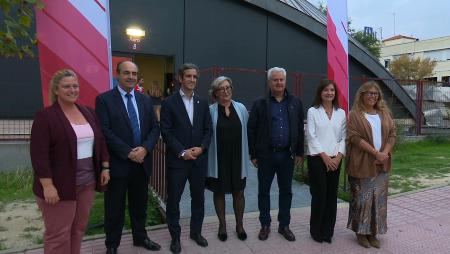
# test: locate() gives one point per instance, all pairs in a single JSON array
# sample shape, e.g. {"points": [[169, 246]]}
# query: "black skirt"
{"points": [[229, 154]]}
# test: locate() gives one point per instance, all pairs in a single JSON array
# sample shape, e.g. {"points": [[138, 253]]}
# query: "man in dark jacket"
{"points": [[186, 129], [131, 131], [275, 138]]}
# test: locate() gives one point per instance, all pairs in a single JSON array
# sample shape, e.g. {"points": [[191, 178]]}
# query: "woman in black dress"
{"points": [[228, 154]]}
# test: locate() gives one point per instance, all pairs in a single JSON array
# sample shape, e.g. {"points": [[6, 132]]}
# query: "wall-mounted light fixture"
{"points": [[135, 35]]}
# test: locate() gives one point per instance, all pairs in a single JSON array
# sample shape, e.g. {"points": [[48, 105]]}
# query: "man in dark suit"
{"points": [[275, 139], [186, 129], [131, 131]]}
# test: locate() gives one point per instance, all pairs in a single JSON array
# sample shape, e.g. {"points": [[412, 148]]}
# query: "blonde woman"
{"points": [[70, 160], [371, 136]]}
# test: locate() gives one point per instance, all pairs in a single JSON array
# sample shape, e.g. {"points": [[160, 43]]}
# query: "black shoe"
{"points": [[199, 239], [317, 239], [327, 239], [287, 233], [222, 234], [241, 234], [148, 244], [264, 233], [175, 246], [111, 250]]}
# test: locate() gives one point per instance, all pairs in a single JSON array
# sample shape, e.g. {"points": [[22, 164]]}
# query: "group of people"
{"points": [[76, 150]]}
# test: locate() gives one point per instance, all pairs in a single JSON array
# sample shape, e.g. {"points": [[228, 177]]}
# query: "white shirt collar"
{"points": [[184, 95], [123, 92]]}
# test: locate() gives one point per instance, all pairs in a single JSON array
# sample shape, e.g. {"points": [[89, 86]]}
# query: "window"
{"points": [[386, 63]]}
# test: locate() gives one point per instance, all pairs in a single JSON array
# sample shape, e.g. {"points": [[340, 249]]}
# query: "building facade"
{"points": [[437, 49]]}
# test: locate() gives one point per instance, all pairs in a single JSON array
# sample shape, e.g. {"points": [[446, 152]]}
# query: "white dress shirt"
{"points": [[324, 134], [189, 105]]}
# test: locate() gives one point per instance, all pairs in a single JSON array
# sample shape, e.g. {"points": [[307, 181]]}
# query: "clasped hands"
{"points": [[332, 164], [381, 158], [137, 154], [192, 153]]}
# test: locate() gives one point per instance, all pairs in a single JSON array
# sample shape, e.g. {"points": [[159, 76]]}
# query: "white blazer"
{"points": [[324, 134]]}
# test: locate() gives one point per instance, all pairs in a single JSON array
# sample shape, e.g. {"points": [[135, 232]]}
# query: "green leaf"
{"points": [[25, 21]]}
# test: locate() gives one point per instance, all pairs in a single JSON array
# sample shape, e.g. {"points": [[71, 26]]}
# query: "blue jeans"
{"points": [[282, 164]]}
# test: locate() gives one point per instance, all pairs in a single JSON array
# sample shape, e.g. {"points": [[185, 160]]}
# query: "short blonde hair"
{"points": [[216, 84], [358, 104], [54, 82]]}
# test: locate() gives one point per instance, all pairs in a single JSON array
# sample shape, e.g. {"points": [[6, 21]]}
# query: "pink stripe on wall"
{"points": [[338, 58], [67, 40], [63, 13]]}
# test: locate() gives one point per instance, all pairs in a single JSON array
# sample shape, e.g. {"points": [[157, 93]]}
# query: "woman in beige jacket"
{"points": [[371, 136]]}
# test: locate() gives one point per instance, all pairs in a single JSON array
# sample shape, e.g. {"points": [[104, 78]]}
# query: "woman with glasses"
{"points": [[228, 160], [371, 136]]}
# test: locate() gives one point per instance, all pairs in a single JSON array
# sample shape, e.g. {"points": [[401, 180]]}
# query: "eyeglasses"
{"points": [[225, 88], [371, 94]]}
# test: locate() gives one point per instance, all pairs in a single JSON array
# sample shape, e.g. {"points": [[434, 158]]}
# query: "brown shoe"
{"points": [[373, 240], [362, 240], [264, 233], [287, 233]]}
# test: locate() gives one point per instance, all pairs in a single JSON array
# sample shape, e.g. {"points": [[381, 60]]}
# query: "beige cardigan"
{"points": [[359, 163]]}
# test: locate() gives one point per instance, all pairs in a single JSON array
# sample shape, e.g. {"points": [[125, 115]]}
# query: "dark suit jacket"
{"points": [[178, 132], [117, 130], [259, 127], [53, 150]]}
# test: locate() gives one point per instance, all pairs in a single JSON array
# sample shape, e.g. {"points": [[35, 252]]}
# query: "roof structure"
{"points": [[315, 21]]}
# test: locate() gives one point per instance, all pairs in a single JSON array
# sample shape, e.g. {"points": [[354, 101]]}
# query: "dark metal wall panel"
{"points": [[161, 20], [20, 84], [227, 33], [296, 50]]}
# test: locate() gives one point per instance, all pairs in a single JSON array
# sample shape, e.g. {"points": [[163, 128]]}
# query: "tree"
{"points": [[412, 68], [369, 41], [17, 17]]}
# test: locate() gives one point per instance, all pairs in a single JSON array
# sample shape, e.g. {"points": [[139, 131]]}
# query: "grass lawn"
{"points": [[17, 186], [415, 165]]}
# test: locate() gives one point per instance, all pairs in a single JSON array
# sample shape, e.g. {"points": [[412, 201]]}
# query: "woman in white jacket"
{"points": [[326, 134]]}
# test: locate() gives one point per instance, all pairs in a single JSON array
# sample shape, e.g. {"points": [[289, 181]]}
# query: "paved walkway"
{"points": [[418, 223], [301, 197]]}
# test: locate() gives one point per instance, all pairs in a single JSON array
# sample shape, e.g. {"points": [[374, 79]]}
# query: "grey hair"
{"points": [[216, 83], [275, 69]]}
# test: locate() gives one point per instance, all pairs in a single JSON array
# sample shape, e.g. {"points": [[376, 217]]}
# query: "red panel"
{"points": [[337, 64], [50, 63], [68, 48], [75, 24]]}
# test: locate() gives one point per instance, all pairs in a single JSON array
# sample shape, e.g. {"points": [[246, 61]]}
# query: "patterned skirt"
{"points": [[368, 206]]}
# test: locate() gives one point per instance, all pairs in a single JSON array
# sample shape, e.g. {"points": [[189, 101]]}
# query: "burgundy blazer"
{"points": [[53, 149]]}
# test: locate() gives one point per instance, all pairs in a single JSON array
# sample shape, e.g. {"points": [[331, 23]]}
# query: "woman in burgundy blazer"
{"points": [[70, 160]]}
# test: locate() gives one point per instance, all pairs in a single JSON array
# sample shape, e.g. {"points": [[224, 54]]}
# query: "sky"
{"points": [[422, 19]]}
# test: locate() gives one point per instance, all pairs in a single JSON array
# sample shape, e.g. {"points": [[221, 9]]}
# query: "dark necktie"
{"points": [[134, 120]]}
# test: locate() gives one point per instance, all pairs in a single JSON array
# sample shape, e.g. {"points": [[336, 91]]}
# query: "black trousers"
{"points": [[136, 185], [282, 164], [323, 187], [176, 181]]}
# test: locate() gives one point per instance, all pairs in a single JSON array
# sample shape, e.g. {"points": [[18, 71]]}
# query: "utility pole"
{"points": [[394, 23]]}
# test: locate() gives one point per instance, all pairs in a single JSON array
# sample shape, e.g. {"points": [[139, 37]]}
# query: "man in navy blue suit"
{"points": [[131, 131], [186, 129]]}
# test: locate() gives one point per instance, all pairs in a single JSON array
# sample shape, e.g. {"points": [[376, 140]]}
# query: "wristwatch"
{"points": [[182, 153]]}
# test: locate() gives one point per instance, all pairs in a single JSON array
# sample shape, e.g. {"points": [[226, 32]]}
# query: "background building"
{"points": [[437, 49]]}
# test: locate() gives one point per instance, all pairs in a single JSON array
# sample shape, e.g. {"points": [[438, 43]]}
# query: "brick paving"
{"points": [[418, 222]]}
